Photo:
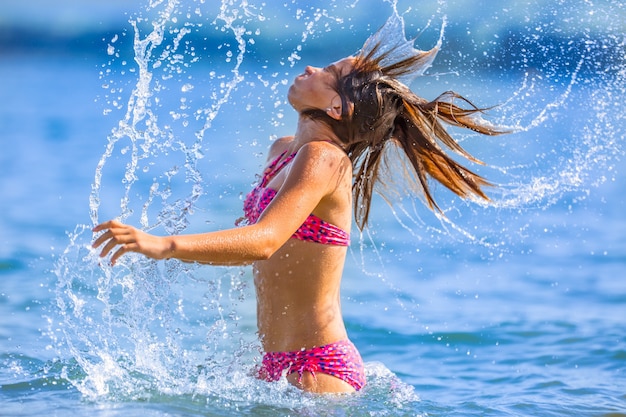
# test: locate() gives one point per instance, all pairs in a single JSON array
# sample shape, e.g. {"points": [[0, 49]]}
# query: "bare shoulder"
{"points": [[322, 163], [278, 146], [324, 152]]}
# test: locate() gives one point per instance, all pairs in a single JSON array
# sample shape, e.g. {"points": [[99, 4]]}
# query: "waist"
{"points": [[293, 331], [295, 341], [297, 308]]}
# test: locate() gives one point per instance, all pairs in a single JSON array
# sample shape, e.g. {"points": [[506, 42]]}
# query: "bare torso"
{"points": [[298, 302], [298, 288]]}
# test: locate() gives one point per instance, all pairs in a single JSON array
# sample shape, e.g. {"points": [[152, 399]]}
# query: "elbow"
{"points": [[269, 245], [267, 251], [265, 254]]}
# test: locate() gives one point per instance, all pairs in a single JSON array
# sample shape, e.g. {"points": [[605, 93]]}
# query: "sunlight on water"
{"points": [[146, 329]]}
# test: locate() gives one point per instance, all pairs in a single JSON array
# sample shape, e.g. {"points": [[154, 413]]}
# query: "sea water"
{"points": [[513, 307]]}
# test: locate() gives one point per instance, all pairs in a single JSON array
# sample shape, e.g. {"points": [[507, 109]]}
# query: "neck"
{"points": [[309, 130]]}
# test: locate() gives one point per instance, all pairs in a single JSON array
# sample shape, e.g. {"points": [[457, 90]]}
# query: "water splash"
{"points": [[130, 321], [537, 74], [149, 329], [558, 90], [146, 328]]}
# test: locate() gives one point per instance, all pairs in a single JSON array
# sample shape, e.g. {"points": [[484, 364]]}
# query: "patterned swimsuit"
{"points": [[313, 229], [340, 359]]}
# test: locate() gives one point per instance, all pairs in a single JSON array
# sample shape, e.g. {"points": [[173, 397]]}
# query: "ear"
{"points": [[334, 110]]}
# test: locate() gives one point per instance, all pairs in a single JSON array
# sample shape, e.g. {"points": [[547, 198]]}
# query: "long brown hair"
{"points": [[378, 109]]}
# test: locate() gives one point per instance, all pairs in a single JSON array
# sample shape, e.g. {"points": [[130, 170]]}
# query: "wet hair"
{"points": [[378, 110]]}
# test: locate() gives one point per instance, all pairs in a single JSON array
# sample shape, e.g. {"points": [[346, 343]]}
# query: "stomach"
{"points": [[298, 296]]}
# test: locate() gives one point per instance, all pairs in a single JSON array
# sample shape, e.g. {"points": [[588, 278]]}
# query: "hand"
{"points": [[129, 239]]}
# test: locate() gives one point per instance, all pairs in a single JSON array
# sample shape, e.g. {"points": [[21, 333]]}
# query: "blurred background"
{"points": [[514, 306], [39, 38]]}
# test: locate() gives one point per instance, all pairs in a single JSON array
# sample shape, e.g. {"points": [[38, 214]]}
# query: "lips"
{"points": [[303, 76], [307, 72]]}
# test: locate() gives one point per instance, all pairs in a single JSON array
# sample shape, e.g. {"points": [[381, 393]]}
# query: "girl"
{"points": [[297, 218]]}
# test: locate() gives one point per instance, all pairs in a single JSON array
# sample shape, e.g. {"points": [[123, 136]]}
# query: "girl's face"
{"points": [[315, 87]]}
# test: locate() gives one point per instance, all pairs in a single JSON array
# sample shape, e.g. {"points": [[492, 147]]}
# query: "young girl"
{"points": [[297, 218]]}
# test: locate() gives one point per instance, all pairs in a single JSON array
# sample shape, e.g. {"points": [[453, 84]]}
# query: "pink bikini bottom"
{"points": [[339, 359]]}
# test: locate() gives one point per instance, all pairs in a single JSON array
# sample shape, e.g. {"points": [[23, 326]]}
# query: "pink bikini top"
{"points": [[313, 229]]}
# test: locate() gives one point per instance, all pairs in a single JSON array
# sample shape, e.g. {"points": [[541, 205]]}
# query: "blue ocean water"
{"points": [[512, 308]]}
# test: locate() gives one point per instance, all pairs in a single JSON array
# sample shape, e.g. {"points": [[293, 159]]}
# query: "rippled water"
{"points": [[513, 308]]}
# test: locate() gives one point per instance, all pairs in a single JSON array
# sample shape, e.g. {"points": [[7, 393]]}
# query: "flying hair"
{"points": [[379, 109]]}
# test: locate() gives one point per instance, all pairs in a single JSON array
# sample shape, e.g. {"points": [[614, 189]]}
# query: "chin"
{"points": [[290, 94]]}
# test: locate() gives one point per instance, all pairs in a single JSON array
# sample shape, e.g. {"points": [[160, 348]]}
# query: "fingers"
{"points": [[107, 225], [128, 247], [118, 239], [116, 234], [111, 243], [101, 239]]}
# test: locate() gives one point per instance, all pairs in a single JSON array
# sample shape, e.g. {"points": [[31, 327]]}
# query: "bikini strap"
{"points": [[279, 163], [276, 165]]}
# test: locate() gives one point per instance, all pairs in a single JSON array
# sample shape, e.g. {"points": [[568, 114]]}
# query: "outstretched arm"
{"points": [[312, 176], [228, 247]]}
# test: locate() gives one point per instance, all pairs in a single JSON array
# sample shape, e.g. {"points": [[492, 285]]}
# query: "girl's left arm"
{"points": [[238, 246], [312, 175]]}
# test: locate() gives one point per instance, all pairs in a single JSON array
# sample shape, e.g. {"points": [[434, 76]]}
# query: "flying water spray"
{"points": [[148, 328]]}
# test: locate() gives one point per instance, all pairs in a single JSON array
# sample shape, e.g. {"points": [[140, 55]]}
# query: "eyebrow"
{"points": [[334, 71]]}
